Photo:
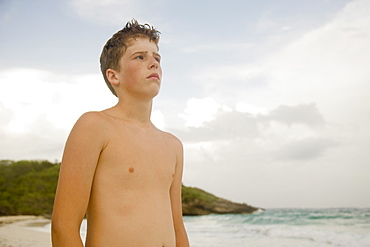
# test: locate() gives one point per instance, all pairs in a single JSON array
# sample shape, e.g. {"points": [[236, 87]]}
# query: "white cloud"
{"points": [[306, 149], [303, 113], [299, 121], [252, 109], [313, 92], [6, 116], [199, 111], [158, 120], [287, 145], [327, 65], [40, 108]]}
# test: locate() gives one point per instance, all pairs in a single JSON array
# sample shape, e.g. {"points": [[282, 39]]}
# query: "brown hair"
{"points": [[115, 46]]}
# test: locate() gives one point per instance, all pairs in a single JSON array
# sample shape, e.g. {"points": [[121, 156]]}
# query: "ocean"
{"points": [[339, 227]]}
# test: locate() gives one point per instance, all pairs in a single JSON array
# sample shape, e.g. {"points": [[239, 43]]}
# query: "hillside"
{"points": [[199, 202]]}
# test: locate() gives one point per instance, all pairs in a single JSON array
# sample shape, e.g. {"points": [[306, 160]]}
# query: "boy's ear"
{"points": [[112, 76]]}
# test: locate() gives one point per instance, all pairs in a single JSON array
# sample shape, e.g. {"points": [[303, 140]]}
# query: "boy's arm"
{"points": [[80, 158], [176, 201]]}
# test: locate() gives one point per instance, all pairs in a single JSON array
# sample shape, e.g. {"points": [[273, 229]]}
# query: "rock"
{"points": [[199, 202]]}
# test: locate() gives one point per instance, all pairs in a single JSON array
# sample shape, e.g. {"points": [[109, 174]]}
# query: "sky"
{"points": [[271, 99]]}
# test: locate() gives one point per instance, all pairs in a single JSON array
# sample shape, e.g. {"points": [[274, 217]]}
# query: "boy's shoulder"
{"points": [[172, 139], [91, 121], [91, 117]]}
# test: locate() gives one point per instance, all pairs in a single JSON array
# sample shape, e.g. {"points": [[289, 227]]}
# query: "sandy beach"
{"points": [[17, 231]]}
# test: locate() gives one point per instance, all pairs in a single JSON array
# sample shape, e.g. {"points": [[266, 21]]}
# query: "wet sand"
{"points": [[17, 231]]}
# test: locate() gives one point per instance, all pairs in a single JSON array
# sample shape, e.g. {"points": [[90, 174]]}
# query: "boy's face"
{"points": [[140, 71]]}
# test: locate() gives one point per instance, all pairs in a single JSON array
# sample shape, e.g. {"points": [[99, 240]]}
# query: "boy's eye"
{"points": [[139, 57], [158, 59]]}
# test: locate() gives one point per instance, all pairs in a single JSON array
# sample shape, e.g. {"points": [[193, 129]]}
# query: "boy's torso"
{"points": [[130, 202]]}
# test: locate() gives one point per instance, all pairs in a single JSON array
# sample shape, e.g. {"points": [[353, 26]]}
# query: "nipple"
{"points": [[131, 169]]}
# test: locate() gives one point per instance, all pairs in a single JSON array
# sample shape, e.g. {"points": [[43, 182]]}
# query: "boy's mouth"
{"points": [[154, 76]]}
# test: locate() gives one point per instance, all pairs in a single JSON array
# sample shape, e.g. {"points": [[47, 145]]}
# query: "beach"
{"points": [[21, 231]]}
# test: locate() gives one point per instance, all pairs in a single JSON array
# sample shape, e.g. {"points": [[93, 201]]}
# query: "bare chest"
{"points": [[137, 159]]}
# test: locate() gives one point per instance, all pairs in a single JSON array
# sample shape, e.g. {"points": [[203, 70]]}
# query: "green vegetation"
{"points": [[189, 194], [28, 188], [199, 202]]}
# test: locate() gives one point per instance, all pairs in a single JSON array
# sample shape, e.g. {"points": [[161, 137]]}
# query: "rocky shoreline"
{"points": [[199, 202]]}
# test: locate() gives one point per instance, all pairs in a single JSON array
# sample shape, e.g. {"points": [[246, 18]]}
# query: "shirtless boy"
{"points": [[117, 167]]}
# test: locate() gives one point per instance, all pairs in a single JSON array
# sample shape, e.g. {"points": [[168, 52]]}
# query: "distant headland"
{"points": [[199, 202]]}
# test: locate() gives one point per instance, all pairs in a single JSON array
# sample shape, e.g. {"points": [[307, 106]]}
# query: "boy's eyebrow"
{"points": [[145, 52], [157, 54]]}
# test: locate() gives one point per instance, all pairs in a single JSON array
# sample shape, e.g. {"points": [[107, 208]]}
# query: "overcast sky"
{"points": [[270, 98]]}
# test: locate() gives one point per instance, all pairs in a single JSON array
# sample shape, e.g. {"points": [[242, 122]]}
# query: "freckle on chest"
{"points": [[131, 169]]}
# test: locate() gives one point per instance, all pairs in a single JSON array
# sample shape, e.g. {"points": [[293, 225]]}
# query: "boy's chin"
{"points": [[152, 94]]}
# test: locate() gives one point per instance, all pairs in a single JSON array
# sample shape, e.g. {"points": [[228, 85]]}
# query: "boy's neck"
{"points": [[134, 111]]}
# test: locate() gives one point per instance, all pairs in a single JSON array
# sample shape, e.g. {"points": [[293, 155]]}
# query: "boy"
{"points": [[117, 167]]}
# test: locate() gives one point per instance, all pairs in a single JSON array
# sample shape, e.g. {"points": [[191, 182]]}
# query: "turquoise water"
{"points": [[339, 227], [343, 227]]}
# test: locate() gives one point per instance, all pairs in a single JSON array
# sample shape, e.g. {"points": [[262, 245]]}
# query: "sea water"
{"points": [[343, 227], [340, 227]]}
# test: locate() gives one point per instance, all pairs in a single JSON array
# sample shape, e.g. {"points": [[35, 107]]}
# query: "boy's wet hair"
{"points": [[117, 45]]}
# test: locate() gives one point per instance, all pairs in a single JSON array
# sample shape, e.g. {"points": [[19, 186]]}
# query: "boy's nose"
{"points": [[154, 63]]}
